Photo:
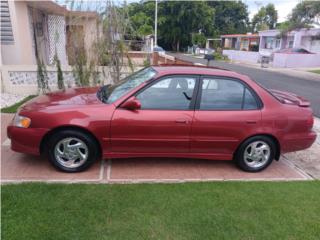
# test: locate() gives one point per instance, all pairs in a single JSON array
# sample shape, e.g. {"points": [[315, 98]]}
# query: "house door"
{"points": [[75, 44]]}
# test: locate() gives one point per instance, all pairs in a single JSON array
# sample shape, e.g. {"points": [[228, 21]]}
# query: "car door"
{"points": [[163, 124], [227, 110]]}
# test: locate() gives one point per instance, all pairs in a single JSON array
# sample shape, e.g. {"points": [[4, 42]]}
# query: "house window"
{"points": [[290, 44], [272, 43], [245, 45], [269, 43], [6, 27], [315, 46]]}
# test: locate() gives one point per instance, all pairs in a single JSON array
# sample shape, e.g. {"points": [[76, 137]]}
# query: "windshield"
{"points": [[111, 93]]}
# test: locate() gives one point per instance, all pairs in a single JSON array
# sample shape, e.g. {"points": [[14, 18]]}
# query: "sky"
{"points": [[283, 7]]}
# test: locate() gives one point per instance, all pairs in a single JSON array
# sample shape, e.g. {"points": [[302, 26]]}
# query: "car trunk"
{"points": [[290, 98]]}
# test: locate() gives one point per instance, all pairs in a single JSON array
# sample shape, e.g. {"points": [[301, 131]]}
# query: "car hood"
{"points": [[70, 97], [290, 98]]}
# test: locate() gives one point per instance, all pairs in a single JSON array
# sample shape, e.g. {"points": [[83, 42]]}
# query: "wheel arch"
{"points": [[53, 131], [272, 137]]}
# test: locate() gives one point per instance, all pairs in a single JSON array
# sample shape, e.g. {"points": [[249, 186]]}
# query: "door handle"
{"points": [[182, 121]]}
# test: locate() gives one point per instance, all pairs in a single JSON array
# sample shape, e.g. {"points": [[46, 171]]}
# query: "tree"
{"points": [[116, 24], [141, 19], [198, 39], [181, 20], [176, 21], [266, 18], [305, 14], [144, 28], [230, 17]]}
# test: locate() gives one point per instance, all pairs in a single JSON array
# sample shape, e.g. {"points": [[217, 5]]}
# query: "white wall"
{"points": [[242, 56], [296, 60], [22, 79], [20, 52]]}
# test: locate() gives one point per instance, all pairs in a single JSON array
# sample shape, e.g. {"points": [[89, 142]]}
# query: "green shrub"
{"points": [[220, 57], [60, 81]]}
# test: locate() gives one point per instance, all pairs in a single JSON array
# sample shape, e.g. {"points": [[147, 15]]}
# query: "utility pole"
{"points": [[156, 24]]}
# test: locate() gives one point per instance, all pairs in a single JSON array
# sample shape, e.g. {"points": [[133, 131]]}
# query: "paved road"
{"points": [[274, 80]]}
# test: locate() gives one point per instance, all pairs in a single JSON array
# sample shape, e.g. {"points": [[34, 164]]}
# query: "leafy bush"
{"points": [[42, 77], [199, 39], [254, 48], [219, 56]]}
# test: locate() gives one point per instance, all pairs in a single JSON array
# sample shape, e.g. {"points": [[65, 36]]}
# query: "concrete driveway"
{"points": [[17, 167]]}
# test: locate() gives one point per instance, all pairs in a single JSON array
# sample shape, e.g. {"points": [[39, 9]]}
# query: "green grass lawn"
{"points": [[315, 71], [13, 108], [218, 210]]}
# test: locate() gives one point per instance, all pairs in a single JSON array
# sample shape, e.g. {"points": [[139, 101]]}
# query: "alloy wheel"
{"points": [[71, 152], [257, 154]]}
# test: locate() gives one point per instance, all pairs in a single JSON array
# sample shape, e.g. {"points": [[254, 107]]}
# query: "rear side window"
{"points": [[250, 102], [226, 94]]}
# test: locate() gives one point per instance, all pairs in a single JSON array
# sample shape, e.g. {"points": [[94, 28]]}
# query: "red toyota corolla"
{"points": [[165, 111]]}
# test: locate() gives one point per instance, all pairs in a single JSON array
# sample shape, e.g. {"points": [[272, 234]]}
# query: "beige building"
{"points": [[52, 27], [44, 28]]}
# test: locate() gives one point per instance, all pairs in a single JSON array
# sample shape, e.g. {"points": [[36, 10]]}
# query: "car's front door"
{"points": [[227, 111], [163, 123]]}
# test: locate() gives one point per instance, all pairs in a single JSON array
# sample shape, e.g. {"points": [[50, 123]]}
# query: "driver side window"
{"points": [[173, 93]]}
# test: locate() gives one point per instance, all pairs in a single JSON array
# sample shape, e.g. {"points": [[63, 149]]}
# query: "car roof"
{"points": [[194, 69]]}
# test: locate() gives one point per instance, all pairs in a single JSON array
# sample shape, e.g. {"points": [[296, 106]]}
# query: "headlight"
{"points": [[21, 121]]}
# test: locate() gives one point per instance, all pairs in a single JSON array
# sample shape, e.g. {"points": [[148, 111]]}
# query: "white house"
{"points": [[270, 41], [55, 30]]}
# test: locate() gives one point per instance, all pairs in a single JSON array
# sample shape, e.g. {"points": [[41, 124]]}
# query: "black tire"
{"points": [[91, 147], [240, 158]]}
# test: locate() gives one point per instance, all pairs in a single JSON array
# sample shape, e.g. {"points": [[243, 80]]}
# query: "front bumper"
{"points": [[298, 142], [26, 140]]}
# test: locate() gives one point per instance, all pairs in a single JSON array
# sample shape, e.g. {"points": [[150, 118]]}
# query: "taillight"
{"points": [[310, 122]]}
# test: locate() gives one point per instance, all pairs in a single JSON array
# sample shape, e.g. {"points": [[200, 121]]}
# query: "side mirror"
{"points": [[131, 104]]}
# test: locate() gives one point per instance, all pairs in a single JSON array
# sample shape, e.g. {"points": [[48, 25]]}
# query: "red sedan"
{"points": [[165, 111]]}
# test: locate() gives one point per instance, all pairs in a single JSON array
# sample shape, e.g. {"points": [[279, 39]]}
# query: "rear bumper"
{"points": [[298, 142], [26, 140]]}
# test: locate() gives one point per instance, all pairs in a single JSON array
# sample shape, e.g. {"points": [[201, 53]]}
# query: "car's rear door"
{"points": [[227, 110], [163, 124]]}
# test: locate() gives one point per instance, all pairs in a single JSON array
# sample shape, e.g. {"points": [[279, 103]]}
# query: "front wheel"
{"points": [[72, 151], [255, 154]]}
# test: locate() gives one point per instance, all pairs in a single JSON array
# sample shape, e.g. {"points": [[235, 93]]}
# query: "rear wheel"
{"points": [[256, 153], [72, 151]]}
